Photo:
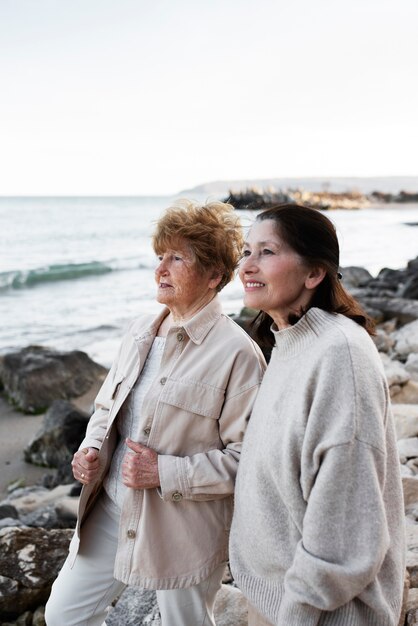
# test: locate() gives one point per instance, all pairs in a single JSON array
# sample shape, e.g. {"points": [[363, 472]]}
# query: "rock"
{"points": [[355, 277], [408, 448], [138, 606], [32, 498], [395, 371], [411, 366], [135, 606], [412, 464], [8, 510], [410, 489], [230, 607], [62, 432], [407, 394], [39, 617], [406, 339], [412, 554], [403, 309], [7, 522], [27, 575], [406, 587], [40, 507], [406, 420], [383, 341], [36, 376]]}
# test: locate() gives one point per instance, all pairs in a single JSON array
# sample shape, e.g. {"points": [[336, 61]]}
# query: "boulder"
{"points": [[62, 431], [383, 341], [26, 575], [395, 371], [408, 448], [403, 309], [40, 507], [231, 607], [139, 606], [135, 606], [406, 420], [412, 554], [411, 366], [36, 376], [407, 394], [406, 339], [410, 490], [353, 276]]}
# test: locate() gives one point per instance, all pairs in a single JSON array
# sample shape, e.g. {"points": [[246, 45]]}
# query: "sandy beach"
{"points": [[16, 431]]}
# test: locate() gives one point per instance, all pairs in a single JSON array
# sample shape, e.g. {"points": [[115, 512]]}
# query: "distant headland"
{"points": [[320, 192], [335, 184], [256, 199]]}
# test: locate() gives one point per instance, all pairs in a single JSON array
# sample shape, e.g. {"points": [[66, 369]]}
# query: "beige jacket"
{"points": [[194, 416]]}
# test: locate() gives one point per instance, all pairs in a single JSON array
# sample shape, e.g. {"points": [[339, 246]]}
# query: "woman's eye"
{"points": [[177, 258], [267, 251], [246, 253]]}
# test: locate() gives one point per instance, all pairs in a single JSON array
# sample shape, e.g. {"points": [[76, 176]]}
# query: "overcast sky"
{"points": [[154, 96]]}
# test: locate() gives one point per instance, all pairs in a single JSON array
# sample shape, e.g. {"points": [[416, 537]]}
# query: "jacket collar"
{"points": [[200, 324], [196, 328]]}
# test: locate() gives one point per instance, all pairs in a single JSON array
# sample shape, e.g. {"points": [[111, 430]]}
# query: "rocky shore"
{"points": [[54, 391], [257, 199]]}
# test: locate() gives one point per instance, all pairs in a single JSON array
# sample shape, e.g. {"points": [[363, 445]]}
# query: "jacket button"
{"points": [[163, 380], [131, 534], [180, 336], [177, 496], [146, 431]]}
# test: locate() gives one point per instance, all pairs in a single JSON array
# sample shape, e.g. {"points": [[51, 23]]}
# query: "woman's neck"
{"points": [[177, 317]]}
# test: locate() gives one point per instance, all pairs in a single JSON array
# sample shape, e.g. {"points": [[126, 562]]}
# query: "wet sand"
{"points": [[16, 431]]}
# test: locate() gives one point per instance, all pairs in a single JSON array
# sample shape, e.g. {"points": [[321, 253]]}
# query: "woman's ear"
{"points": [[215, 280], [315, 277]]}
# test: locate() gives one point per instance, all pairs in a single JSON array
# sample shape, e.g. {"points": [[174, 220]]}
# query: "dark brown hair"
{"points": [[313, 237]]}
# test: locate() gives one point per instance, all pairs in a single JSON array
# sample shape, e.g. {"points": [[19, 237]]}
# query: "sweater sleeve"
{"points": [[345, 534]]}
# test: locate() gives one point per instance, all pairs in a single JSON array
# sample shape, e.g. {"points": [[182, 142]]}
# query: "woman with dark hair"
{"points": [[161, 451], [317, 535]]}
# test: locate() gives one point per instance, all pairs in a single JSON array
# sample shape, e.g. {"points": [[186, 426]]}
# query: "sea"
{"points": [[75, 270]]}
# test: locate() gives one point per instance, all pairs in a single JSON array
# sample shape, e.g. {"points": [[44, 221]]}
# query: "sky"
{"points": [[149, 97]]}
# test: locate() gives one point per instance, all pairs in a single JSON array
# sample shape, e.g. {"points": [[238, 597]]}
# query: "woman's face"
{"points": [[275, 278], [182, 286]]}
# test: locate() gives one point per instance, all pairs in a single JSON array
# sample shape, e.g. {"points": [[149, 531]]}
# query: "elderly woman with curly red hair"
{"points": [[161, 451]]}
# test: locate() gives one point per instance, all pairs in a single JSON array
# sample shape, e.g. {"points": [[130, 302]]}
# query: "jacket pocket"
{"points": [[196, 397]]}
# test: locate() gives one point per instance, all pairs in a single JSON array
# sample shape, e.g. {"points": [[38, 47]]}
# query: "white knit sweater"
{"points": [[317, 535]]}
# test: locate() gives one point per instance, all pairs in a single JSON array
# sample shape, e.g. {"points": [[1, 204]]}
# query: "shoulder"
{"points": [[344, 335], [349, 353], [236, 338]]}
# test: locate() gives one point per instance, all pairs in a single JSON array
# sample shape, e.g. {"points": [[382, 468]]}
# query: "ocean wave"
{"points": [[21, 279]]}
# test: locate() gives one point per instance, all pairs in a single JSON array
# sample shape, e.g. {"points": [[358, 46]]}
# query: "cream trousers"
{"points": [[82, 595]]}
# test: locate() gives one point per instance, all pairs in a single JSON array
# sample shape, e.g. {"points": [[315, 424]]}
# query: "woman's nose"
{"points": [[247, 264], [161, 268]]}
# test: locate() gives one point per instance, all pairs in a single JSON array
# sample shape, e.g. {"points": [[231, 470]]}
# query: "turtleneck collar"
{"points": [[293, 340]]}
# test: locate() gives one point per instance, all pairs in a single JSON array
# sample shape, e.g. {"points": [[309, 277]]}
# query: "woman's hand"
{"points": [[140, 467], [86, 465]]}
